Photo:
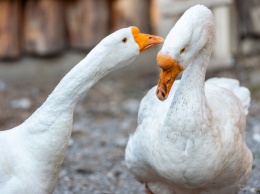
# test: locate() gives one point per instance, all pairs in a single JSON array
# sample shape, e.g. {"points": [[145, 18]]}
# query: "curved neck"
{"points": [[62, 101], [68, 92], [193, 78], [189, 99], [46, 133]]}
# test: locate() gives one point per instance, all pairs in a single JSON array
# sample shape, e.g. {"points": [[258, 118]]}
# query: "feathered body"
{"points": [[32, 153], [194, 141]]}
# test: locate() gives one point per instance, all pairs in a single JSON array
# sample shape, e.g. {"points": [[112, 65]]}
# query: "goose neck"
{"points": [[189, 100], [82, 77]]}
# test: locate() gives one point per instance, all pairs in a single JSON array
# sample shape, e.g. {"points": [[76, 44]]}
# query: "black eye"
{"points": [[182, 50], [124, 40]]}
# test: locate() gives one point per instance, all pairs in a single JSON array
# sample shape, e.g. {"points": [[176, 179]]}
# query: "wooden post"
{"points": [[10, 17], [155, 16], [249, 26], [131, 13], [249, 15], [87, 22], [222, 57], [44, 31]]}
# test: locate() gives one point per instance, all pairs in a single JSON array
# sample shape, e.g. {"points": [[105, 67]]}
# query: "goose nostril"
{"points": [[163, 94]]}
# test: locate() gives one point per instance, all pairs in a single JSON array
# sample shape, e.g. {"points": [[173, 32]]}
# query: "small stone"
{"points": [[2, 86], [256, 137], [22, 103], [131, 106], [121, 142], [63, 173], [71, 142], [125, 124], [255, 78], [78, 127], [256, 134]]}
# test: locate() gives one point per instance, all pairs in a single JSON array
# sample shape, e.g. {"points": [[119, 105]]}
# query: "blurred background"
{"points": [[48, 28], [41, 40]]}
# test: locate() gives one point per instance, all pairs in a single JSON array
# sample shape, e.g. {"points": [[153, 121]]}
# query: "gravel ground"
{"points": [[103, 119]]}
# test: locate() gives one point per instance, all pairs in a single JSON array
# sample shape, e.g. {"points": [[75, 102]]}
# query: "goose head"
{"points": [[183, 43], [122, 47]]}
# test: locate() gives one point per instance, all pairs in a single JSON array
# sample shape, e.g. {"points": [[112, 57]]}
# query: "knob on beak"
{"points": [[145, 41], [170, 69]]}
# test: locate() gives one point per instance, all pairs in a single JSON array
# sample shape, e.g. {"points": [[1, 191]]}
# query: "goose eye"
{"points": [[124, 40], [182, 50]]}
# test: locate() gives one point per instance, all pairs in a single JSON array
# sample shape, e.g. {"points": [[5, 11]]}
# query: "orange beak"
{"points": [[145, 41], [170, 69]]}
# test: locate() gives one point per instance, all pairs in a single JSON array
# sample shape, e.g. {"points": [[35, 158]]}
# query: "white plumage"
{"points": [[32, 153], [193, 142]]}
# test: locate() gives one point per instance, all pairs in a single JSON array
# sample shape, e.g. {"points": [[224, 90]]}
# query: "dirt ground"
{"points": [[104, 118]]}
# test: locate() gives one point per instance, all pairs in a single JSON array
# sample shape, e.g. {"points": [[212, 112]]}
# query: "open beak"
{"points": [[145, 41], [170, 69]]}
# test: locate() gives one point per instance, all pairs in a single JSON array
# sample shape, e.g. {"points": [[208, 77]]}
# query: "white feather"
{"points": [[32, 153], [242, 93], [194, 141]]}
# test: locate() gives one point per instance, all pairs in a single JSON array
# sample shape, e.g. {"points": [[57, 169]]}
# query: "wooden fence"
{"points": [[48, 27]]}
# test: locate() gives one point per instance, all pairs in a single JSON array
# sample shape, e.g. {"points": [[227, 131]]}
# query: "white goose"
{"points": [[31, 154], [194, 141]]}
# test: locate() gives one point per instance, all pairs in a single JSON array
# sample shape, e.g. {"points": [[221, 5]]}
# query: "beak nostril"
{"points": [[163, 94]]}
